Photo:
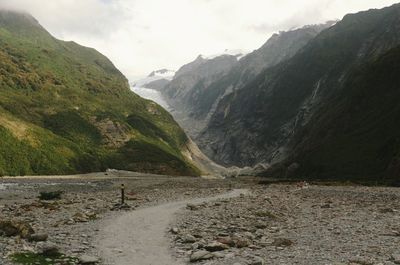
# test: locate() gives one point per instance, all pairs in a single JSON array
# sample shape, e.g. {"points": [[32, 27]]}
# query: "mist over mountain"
{"points": [[281, 104], [197, 88]]}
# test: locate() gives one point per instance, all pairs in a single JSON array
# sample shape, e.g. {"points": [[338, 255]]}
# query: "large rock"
{"points": [[16, 228], [47, 248]]}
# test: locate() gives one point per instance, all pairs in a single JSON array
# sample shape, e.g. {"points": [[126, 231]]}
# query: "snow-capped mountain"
{"points": [[234, 52], [144, 88], [165, 73], [154, 76]]}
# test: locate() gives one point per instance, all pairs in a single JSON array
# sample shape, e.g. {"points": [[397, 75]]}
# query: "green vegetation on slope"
{"points": [[65, 108]]}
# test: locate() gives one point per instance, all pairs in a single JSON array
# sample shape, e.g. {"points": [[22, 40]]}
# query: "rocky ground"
{"points": [[68, 225], [270, 224], [286, 224]]}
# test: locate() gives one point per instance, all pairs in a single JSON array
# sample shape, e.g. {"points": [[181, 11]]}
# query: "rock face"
{"points": [[330, 109], [187, 92], [278, 49], [158, 84], [198, 87]]}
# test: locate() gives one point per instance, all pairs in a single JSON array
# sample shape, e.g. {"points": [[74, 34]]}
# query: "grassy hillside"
{"points": [[65, 108]]}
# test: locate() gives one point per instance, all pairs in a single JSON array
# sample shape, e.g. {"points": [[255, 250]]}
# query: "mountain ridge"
{"points": [[77, 110], [264, 121]]}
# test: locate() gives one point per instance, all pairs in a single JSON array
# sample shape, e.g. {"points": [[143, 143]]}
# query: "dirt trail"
{"points": [[138, 237]]}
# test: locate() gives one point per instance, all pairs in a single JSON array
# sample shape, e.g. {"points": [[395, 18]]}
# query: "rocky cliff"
{"points": [[328, 111], [197, 87]]}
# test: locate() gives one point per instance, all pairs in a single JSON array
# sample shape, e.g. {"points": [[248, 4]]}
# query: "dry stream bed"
{"points": [[274, 224]]}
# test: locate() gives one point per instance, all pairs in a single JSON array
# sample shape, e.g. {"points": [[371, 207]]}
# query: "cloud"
{"points": [[143, 35]]}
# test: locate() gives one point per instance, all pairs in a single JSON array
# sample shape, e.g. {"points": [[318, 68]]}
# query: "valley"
{"points": [[288, 154]]}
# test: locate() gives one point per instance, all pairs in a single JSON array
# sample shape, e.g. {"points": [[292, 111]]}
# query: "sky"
{"points": [[140, 36]]}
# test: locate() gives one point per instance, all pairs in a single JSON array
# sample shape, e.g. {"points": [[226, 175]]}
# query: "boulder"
{"points": [[16, 228], [47, 248]]}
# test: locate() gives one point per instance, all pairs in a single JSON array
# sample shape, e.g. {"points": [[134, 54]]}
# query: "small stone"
{"points": [[226, 240], [216, 246], [219, 255], [80, 217], [282, 242], [257, 261], [361, 261], [188, 239], [241, 242], [85, 259], [201, 255], [192, 207], [396, 258], [174, 230], [38, 237]]}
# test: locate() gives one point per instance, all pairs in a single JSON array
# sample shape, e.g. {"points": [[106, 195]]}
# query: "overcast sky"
{"points": [[140, 36]]}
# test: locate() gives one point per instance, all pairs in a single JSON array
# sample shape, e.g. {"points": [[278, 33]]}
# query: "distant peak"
{"points": [[162, 72], [238, 53]]}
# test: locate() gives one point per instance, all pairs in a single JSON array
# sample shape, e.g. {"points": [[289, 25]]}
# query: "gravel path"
{"points": [[138, 237]]}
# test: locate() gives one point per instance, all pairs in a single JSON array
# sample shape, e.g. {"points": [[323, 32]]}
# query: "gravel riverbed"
{"points": [[71, 223], [285, 224], [268, 224]]}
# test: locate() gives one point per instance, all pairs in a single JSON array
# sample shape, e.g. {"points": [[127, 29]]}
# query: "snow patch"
{"points": [[235, 52], [154, 76], [151, 94]]}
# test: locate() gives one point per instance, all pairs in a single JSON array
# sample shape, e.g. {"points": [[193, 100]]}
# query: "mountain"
{"points": [[356, 133], [65, 108], [158, 84], [234, 52], [328, 112], [185, 91], [155, 78], [195, 93]]}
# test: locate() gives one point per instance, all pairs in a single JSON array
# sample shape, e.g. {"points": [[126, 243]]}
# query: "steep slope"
{"points": [[257, 123], [196, 99], [279, 48], [356, 133], [185, 92], [65, 108]]}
